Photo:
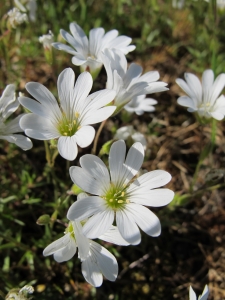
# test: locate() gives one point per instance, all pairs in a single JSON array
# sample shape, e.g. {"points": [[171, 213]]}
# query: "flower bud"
{"points": [[43, 220]]}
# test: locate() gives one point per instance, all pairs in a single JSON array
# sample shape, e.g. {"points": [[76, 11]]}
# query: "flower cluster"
{"points": [[113, 205], [9, 130], [16, 17]]}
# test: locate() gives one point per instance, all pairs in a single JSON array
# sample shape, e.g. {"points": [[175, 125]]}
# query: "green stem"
{"points": [[97, 137], [47, 153], [213, 133]]}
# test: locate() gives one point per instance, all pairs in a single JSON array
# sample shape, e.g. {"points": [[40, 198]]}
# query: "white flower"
{"points": [[178, 3], [95, 259], [47, 40], [16, 17], [204, 296], [220, 4], [125, 132], [70, 121], [128, 83], [27, 6], [140, 104], [118, 194], [20, 294], [87, 53], [9, 130], [203, 98]]}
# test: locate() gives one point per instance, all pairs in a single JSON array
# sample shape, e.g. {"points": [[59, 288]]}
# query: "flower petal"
{"points": [[85, 208], [127, 227], [8, 97], [154, 198], [20, 140], [80, 38], [67, 252], [145, 219], [186, 88], [84, 136], [217, 88], [148, 181], [95, 41], [192, 295], [81, 90], [44, 96], [57, 245], [151, 76], [207, 83], [38, 128], [105, 261], [81, 241], [95, 166], [205, 293], [37, 108], [97, 116], [134, 71], [98, 224], [133, 161], [85, 181], [63, 47], [91, 272], [116, 161], [65, 86], [113, 236], [195, 85], [13, 126], [67, 147], [187, 102]]}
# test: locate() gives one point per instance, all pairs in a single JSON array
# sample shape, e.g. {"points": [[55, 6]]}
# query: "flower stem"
{"points": [[50, 154], [47, 152], [97, 137], [213, 133]]}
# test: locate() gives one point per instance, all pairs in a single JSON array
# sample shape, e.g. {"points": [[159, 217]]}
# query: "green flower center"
{"points": [[206, 106], [70, 230], [68, 127], [116, 197]]}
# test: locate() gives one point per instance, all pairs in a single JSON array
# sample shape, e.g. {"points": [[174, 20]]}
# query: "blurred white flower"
{"points": [[95, 259], [128, 82], [16, 17], [27, 6], [47, 40], [181, 3], [178, 3], [115, 194], [140, 104], [27, 288], [203, 98], [125, 132], [204, 296], [70, 121], [9, 130], [20, 294], [87, 53]]}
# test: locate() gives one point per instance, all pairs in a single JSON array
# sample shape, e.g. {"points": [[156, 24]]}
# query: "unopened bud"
{"points": [[43, 220]]}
